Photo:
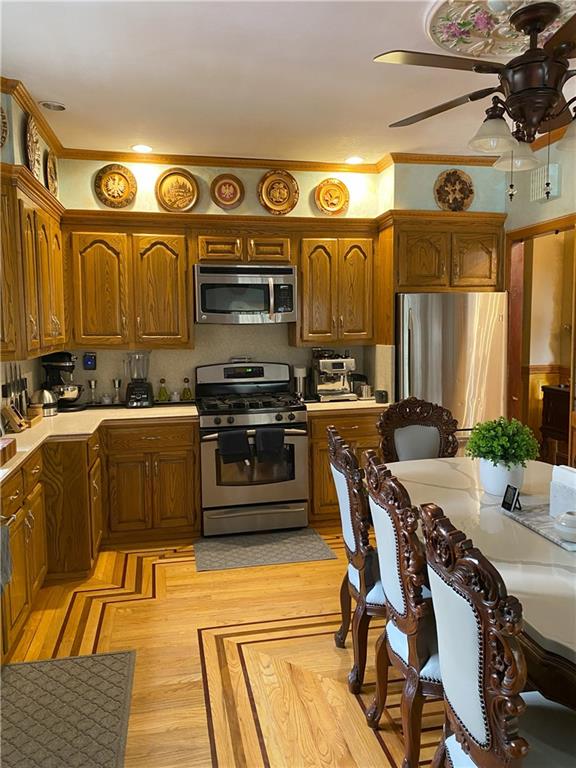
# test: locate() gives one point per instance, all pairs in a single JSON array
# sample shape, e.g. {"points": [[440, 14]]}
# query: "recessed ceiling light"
{"points": [[54, 106], [141, 148], [354, 160]]}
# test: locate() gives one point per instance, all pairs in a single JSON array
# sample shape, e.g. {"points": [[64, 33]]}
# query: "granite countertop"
{"points": [[78, 423]]}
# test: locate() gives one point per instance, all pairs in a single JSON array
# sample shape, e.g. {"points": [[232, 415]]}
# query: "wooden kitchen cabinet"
{"points": [[36, 536], [337, 290], [173, 489], [423, 258], [358, 428], [31, 280], [129, 492], [253, 248], [96, 507], [16, 597], [160, 290], [9, 295], [50, 260], [474, 260], [102, 304]]}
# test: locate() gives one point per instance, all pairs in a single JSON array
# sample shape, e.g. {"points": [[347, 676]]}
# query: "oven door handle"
{"points": [[251, 432]]}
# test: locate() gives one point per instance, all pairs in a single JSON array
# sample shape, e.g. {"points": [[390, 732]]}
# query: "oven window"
{"points": [[278, 470], [227, 299]]}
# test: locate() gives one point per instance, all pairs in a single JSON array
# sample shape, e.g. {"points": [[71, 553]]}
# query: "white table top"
{"points": [[538, 572]]}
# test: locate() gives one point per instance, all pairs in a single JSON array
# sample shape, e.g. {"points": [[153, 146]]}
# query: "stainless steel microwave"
{"points": [[245, 293]]}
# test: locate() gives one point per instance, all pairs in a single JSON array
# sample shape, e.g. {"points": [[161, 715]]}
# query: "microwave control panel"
{"points": [[283, 298]]}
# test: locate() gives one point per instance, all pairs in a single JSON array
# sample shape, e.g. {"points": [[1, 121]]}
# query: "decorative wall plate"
{"points": [[3, 127], [33, 155], [332, 196], [278, 192], [176, 190], [115, 186], [227, 191], [483, 29], [454, 190], [52, 173]]}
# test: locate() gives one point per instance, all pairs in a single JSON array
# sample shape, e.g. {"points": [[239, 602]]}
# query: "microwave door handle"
{"points": [[271, 297]]}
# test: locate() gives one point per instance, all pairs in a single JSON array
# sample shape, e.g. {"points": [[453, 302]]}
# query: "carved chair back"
{"points": [[483, 669], [416, 429], [401, 557], [353, 504]]}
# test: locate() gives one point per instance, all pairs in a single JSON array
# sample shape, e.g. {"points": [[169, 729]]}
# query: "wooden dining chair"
{"points": [[361, 581], [409, 639], [416, 429], [488, 723]]}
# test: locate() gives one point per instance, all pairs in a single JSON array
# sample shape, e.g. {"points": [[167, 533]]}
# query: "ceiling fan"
{"points": [[531, 84]]}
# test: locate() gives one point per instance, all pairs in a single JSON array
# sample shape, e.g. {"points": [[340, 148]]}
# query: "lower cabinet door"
{"points": [[96, 519], [324, 499], [130, 491], [16, 598], [37, 551], [173, 495]]}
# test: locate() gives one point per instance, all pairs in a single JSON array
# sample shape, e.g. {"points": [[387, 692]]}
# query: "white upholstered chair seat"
{"points": [[399, 645], [549, 728], [376, 595]]}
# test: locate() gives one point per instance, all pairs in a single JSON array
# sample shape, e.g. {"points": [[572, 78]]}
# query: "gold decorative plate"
{"points": [[3, 127], [52, 173], [227, 191], [454, 190], [278, 192], [33, 148], [176, 190], [332, 197], [115, 186]]}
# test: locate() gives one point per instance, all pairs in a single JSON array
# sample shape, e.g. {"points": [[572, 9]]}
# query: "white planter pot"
{"points": [[495, 478]]}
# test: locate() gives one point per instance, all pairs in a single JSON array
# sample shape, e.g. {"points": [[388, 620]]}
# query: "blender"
{"points": [[139, 393]]}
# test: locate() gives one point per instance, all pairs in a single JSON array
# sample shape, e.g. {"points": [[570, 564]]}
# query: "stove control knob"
{"points": [[291, 416], [278, 417], [217, 420], [230, 419]]}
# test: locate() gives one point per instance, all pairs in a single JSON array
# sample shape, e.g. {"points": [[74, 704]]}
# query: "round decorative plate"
{"points": [[115, 186], [332, 196], [454, 190], [52, 173], [278, 192], [33, 148], [482, 28], [176, 190], [3, 127], [227, 191]]}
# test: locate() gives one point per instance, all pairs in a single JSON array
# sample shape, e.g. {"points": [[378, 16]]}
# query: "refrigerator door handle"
{"points": [[408, 387]]}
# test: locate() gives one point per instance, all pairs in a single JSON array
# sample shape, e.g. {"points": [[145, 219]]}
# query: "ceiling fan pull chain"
{"points": [[511, 189], [548, 185]]}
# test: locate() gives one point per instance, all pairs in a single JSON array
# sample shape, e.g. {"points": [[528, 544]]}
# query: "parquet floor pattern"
{"points": [[235, 668]]}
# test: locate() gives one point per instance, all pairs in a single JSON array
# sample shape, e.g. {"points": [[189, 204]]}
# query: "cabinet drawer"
{"points": [[268, 249], [123, 439], [33, 472], [219, 248], [93, 448], [12, 493], [349, 427]]}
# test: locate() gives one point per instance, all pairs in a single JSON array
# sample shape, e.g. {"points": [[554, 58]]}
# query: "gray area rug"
{"points": [[66, 713], [249, 549]]}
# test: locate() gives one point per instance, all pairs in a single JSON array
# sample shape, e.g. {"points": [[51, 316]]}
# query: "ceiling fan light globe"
{"points": [[522, 159], [568, 142], [493, 137]]}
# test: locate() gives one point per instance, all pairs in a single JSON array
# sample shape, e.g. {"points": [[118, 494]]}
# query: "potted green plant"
{"points": [[503, 447]]}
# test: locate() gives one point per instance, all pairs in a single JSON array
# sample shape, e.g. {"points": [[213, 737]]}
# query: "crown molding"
{"points": [[407, 158], [561, 224], [20, 177], [394, 216], [22, 97]]}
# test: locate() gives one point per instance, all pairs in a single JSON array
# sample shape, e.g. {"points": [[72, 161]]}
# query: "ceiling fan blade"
{"points": [[557, 122], [420, 59], [474, 96], [566, 34]]}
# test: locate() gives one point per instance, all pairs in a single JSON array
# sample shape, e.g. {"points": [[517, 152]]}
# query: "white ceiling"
{"points": [[282, 80]]}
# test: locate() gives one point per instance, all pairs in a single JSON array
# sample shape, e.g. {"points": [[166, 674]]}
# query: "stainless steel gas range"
{"points": [[254, 448]]}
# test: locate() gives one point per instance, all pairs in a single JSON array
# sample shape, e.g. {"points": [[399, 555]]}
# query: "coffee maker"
{"points": [[59, 370], [331, 375], [139, 392]]}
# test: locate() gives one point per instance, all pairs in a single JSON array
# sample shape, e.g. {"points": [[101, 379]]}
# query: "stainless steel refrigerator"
{"points": [[451, 350]]}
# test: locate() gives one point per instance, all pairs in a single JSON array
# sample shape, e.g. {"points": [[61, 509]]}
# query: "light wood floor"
{"points": [[234, 668]]}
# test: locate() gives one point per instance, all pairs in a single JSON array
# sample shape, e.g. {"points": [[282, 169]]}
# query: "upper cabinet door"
{"points": [[268, 249], [50, 331], [101, 292], [8, 280], [475, 260], [30, 270], [160, 290], [355, 287], [319, 293], [57, 283], [423, 258]]}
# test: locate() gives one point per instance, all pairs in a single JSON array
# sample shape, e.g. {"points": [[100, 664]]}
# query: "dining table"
{"points": [[536, 570]]}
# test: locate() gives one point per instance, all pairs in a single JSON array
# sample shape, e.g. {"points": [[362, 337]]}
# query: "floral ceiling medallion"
{"points": [[482, 28]]}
